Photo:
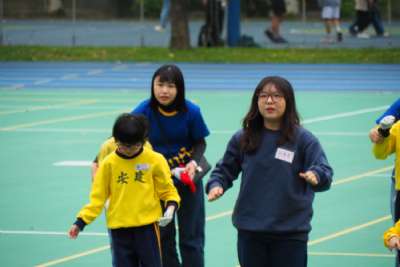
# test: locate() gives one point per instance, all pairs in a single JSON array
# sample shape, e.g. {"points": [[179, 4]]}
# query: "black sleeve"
{"points": [[198, 150]]}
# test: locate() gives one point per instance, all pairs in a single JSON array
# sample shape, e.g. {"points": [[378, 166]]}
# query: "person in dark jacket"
{"points": [[282, 166]]}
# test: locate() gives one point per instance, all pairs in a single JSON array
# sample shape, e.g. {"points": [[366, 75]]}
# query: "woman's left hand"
{"points": [[310, 177]]}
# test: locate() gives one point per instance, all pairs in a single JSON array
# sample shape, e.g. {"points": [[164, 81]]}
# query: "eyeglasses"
{"points": [[274, 97]]}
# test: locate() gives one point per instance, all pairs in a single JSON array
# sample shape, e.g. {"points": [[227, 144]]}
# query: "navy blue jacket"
{"points": [[273, 198]]}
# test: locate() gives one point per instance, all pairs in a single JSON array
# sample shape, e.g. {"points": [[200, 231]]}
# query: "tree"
{"points": [[180, 38]]}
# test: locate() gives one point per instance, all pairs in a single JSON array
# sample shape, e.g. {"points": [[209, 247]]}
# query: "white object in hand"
{"points": [[167, 217], [176, 172], [387, 122]]}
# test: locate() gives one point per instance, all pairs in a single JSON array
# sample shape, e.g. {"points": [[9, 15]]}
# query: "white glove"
{"points": [[167, 217], [387, 122]]}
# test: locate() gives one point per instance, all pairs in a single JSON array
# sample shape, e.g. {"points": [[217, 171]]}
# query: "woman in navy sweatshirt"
{"points": [[282, 166]]}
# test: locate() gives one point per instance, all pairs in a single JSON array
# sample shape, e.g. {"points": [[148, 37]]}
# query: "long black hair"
{"points": [[171, 74], [253, 122]]}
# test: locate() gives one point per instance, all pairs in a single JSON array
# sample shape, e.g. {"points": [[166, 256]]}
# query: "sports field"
{"points": [[54, 116]]}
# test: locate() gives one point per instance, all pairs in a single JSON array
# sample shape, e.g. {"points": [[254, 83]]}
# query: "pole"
{"points": [[73, 22], [141, 23], [389, 14], [303, 11], [1, 22], [233, 22]]}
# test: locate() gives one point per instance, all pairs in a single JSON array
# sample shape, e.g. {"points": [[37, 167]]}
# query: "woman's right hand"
{"points": [[215, 193]]}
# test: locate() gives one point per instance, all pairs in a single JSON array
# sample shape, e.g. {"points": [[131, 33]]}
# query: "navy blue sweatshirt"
{"points": [[273, 198]]}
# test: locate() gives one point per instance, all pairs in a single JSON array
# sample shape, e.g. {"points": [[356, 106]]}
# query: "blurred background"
{"points": [[132, 22]]}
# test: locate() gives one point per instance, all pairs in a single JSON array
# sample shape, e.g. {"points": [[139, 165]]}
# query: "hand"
{"points": [[310, 177], [375, 137], [184, 177], [167, 217], [190, 168], [215, 193], [73, 231], [394, 242]]}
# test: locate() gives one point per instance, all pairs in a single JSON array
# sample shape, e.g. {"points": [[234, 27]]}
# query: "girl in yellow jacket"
{"points": [[388, 143], [134, 179]]}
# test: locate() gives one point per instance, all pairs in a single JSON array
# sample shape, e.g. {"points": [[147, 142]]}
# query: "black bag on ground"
{"points": [[210, 33]]}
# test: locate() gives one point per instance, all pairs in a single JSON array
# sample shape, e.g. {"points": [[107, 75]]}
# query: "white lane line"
{"points": [[344, 114], [349, 230], [52, 233], [75, 256], [362, 175], [347, 254], [73, 118], [95, 72], [120, 67], [60, 130], [43, 81], [73, 163], [48, 107], [72, 76]]}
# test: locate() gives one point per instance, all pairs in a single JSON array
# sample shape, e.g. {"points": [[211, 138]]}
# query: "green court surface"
{"points": [[42, 129]]}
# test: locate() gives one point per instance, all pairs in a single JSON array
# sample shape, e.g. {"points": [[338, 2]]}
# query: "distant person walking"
{"points": [[278, 8], [164, 16], [330, 14], [367, 12]]}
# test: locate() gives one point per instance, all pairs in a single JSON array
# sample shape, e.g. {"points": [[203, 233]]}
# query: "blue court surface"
{"points": [[54, 116]]}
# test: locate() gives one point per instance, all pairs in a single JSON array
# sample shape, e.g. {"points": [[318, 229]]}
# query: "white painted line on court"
{"points": [[95, 72], [71, 76], [349, 230], [43, 81], [73, 163], [344, 114], [74, 118], [52, 233], [75, 256], [60, 130], [219, 215], [356, 134], [48, 107], [120, 67], [363, 175], [347, 254]]}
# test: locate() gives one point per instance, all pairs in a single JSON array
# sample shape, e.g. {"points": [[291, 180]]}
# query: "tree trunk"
{"points": [[180, 38]]}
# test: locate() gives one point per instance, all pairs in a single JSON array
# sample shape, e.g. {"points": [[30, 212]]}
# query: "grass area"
{"points": [[220, 55]]}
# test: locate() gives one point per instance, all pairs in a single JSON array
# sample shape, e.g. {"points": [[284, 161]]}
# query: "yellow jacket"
{"points": [[134, 188], [390, 145], [392, 231]]}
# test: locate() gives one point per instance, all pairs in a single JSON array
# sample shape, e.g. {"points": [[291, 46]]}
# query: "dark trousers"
{"points": [[257, 250], [364, 19], [136, 246], [191, 224]]}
